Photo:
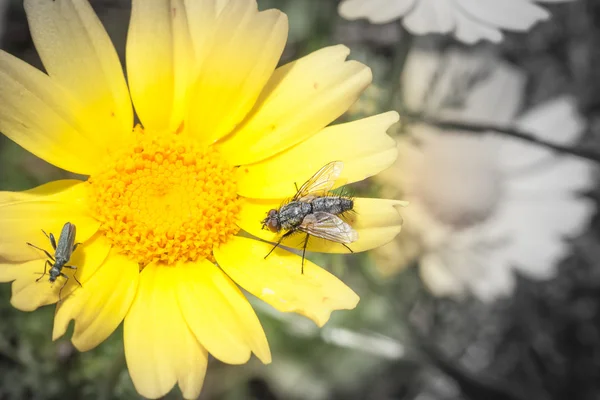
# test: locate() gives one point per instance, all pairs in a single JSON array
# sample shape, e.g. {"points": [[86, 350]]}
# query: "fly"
{"points": [[62, 254], [315, 211]]}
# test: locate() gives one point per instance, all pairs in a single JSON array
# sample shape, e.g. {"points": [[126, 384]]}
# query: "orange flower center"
{"points": [[165, 199]]}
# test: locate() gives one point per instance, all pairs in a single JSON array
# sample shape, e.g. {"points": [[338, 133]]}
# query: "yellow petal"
{"points": [[377, 222], [245, 50], [277, 279], [23, 215], [363, 146], [99, 306], [30, 290], [41, 116], [159, 347], [160, 62], [202, 19], [219, 314], [299, 100], [77, 54]]}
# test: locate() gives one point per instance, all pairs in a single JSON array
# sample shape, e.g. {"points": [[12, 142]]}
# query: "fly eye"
{"points": [[272, 213], [273, 225]]}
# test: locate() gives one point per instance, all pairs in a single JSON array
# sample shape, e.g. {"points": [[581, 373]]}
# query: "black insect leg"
{"points": [[45, 269], [63, 286], [304, 252], [51, 238], [39, 248], [349, 249], [278, 243], [74, 277], [75, 246]]}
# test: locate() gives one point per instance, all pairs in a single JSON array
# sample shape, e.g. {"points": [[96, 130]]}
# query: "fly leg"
{"points": [[304, 252], [74, 277], [74, 247], [39, 248], [349, 249], [278, 243], [45, 269]]}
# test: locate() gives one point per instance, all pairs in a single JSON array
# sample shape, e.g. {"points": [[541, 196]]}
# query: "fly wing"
{"points": [[328, 226], [321, 182]]}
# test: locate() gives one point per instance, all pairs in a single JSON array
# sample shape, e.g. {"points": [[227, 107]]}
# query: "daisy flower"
{"points": [[483, 206], [468, 20], [223, 136]]}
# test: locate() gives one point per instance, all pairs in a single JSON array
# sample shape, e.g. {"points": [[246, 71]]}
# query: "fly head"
{"points": [[272, 221]]}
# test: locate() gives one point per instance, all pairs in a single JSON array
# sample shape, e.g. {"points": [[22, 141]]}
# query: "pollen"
{"points": [[165, 199]]}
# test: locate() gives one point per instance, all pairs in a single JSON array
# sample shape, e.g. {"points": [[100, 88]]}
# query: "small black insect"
{"points": [[62, 254], [314, 210]]}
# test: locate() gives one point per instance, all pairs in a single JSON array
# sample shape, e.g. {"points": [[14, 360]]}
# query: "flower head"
{"points": [[223, 137], [483, 206], [468, 20]]}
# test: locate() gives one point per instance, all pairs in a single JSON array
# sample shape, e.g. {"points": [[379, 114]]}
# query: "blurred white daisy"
{"points": [[483, 205], [468, 20]]}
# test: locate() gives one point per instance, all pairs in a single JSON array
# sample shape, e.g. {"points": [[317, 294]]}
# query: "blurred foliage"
{"points": [[544, 342]]}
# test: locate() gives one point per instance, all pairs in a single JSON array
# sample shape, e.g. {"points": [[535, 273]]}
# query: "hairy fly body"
{"points": [[315, 211], [63, 249]]}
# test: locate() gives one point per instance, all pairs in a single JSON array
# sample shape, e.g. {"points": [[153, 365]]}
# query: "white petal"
{"points": [[355, 9], [419, 71], [391, 10], [439, 278], [560, 216], [497, 99], [464, 85], [518, 156], [537, 258], [429, 16], [535, 231], [556, 176], [471, 31], [516, 15], [557, 121], [498, 280], [377, 11]]}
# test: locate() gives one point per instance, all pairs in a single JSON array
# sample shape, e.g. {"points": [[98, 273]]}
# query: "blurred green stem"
{"points": [[510, 131]]}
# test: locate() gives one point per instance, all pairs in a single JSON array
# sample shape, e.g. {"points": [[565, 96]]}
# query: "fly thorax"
{"points": [[292, 214]]}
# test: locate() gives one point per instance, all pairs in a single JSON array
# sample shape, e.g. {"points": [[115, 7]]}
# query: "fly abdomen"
{"points": [[332, 205]]}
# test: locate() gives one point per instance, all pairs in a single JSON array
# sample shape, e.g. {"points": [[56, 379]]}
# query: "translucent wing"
{"points": [[328, 226], [321, 182]]}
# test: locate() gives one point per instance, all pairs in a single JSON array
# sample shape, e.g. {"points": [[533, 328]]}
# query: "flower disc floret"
{"points": [[166, 199]]}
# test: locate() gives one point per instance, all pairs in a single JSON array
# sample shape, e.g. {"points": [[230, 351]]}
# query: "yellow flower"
{"points": [[224, 135]]}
